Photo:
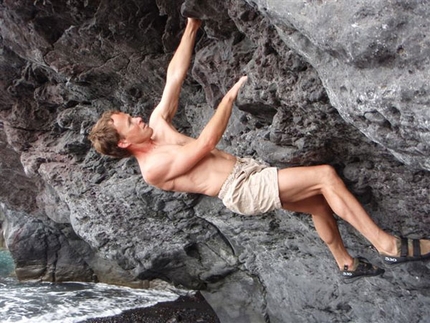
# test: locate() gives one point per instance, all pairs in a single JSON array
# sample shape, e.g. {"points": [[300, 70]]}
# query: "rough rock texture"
{"points": [[344, 83]]}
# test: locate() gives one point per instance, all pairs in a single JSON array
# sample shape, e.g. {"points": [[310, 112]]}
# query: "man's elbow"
{"points": [[174, 76], [208, 144]]}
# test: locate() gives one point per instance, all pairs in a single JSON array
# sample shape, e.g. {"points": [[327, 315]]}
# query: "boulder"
{"points": [[339, 83]]}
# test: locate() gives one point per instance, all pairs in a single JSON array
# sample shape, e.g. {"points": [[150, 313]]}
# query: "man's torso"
{"points": [[206, 177]]}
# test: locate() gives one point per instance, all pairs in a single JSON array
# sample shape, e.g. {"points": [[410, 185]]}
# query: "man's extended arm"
{"points": [[177, 71]]}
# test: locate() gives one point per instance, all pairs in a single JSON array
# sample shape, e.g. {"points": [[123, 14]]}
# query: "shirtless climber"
{"points": [[173, 161]]}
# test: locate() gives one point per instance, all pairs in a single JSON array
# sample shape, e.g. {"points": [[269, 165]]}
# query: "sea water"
{"points": [[68, 302]]}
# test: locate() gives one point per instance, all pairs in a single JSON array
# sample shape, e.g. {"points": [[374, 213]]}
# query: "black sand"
{"points": [[186, 309]]}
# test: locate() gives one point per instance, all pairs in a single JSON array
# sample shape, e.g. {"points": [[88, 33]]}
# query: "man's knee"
{"points": [[329, 175]]}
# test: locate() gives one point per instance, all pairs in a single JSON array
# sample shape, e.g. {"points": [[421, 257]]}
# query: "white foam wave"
{"points": [[72, 302]]}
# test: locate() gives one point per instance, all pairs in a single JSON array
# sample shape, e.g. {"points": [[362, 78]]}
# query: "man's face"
{"points": [[132, 130]]}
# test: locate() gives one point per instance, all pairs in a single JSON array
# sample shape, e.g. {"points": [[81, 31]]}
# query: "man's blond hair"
{"points": [[105, 137]]}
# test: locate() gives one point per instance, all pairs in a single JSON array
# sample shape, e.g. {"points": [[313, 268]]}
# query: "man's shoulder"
{"points": [[160, 114], [157, 161], [156, 118], [149, 170], [155, 169]]}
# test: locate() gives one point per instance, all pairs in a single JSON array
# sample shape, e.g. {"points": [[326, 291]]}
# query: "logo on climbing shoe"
{"points": [[390, 259]]}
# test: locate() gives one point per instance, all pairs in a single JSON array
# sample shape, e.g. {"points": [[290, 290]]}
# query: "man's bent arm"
{"points": [[177, 71], [190, 154]]}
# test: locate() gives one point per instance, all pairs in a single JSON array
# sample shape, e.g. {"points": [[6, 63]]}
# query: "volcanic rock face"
{"points": [[344, 83]]}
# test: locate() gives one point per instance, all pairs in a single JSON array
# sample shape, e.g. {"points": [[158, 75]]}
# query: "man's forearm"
{"points": [[180, 62], [217, 125], [176, 72]]}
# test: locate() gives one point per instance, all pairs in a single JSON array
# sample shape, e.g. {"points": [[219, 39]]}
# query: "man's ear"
{"points": [[123, 144]]}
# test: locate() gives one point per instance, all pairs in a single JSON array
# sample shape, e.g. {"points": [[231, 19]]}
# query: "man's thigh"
{"points": [[299, 183]]}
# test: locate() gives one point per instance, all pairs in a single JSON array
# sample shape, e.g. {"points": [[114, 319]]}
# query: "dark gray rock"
{"points": [[343, 83], [372, 58]]}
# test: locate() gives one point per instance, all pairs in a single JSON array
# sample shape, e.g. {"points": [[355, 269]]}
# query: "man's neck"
{"points": [[142, 150]]}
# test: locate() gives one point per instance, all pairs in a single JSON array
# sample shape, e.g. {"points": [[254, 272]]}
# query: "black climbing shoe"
{"points": [[403, 245], [361, 268]]}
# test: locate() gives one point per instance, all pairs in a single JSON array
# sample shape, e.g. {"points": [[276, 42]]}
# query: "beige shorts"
{"points": [[251, 188]]}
